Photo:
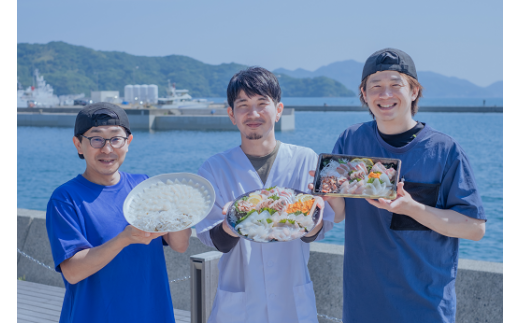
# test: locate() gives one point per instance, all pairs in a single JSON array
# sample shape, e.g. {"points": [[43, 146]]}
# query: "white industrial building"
{"points": [[105, 96], [141, 93]]}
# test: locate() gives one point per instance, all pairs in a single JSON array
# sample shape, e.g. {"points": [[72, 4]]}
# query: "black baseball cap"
{"points": [[100, 114], [389, 59]]}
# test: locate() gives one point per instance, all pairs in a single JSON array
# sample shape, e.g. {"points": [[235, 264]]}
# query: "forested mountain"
{"points": [[74, 69]]}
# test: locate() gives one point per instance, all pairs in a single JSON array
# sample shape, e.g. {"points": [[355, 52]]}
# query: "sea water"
{"points": [[47, 159]]}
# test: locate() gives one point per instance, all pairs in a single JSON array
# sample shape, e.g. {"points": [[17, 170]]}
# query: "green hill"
{"points": [[74, 69]]}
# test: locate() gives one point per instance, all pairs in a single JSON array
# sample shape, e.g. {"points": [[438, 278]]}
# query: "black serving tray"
{"points": [[325, 158]]}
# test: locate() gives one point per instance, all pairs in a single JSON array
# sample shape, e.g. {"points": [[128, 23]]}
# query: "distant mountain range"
{"points": [[435, 85], [71, 69]]}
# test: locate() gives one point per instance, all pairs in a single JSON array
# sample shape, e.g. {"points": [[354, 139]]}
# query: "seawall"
{"points": [[479, 283], [148, 119], [337, 108]]}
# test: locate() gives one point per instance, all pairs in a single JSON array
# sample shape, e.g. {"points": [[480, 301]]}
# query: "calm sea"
{"points": [[47, 158]]}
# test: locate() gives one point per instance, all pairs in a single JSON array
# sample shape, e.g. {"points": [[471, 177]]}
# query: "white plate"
{"points": [[232, 218], [204, 186]]}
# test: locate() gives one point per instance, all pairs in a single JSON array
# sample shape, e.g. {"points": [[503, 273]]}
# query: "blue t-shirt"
{"points": [[395, 269], [133, 287]]}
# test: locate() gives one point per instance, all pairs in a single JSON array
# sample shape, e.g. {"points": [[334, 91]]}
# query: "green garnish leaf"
{"points": [[269, 220], [270, 188], [245, 217], [341, 161], [283, 221], [297, 212], [381, 181], [291, 221], [271, 211], [274, 197]]}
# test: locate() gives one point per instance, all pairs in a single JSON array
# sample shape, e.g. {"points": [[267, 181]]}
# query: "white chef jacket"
{"points": [[261, 282]]}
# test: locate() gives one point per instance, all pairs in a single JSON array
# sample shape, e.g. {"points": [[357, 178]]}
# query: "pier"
{"points": [[479, 284], [338, 108], [197, 119], [148, 119]]}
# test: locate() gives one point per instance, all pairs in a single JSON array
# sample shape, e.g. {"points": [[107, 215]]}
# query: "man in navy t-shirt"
{"points": [[401, 256], [112, 271]]}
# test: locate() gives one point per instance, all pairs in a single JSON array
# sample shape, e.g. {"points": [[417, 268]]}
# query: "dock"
{"points": [[39, 303], [339, 108], [149, 119]]}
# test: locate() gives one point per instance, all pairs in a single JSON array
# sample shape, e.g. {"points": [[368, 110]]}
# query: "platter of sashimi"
{"points": [[273, 214], [357, 176]]}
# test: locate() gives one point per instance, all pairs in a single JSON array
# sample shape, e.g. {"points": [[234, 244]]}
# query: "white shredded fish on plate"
{"points": [[169, 206]]}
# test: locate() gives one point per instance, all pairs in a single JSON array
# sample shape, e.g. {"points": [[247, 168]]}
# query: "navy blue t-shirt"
{"points": [[133, 287], [395, 269]]}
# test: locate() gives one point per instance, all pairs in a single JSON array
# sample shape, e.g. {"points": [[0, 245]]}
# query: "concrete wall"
{"points": [[156, 119], [479, 283], [421, 108]]}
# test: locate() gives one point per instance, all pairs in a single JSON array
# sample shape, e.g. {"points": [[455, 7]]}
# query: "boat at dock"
{"points": [[180, 99], [38, 95]]}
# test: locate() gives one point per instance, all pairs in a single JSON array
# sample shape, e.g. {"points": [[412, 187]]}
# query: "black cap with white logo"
{"points": [[100, 114], [389, 59]]}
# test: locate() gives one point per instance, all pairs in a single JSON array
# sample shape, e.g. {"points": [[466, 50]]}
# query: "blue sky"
{"points": [[454, 38]]}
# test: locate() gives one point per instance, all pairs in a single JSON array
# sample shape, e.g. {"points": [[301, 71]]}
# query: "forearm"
{"points": [[448, 222], [178, 241], [89, 261], [338, 206], [223, 238]]}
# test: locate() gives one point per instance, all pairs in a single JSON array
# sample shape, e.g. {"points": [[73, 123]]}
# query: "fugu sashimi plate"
{"points": [[273, 214], [169, 202], [357, 176]]}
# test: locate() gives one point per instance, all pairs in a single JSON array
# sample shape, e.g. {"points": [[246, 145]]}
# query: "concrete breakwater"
{"points": [[148, 119], [337, 108], [479, 283]]}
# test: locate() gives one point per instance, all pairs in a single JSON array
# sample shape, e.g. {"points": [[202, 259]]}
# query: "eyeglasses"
{"points": [[99, 142]]}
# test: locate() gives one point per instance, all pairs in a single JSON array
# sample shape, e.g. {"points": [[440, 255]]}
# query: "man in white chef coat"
{"points": [[259, 282]]}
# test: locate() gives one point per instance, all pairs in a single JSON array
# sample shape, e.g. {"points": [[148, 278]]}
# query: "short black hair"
{"points": [[254, 81], [81, 138]]}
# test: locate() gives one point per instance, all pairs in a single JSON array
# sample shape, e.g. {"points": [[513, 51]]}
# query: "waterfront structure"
{"points": [[39, 94], [140, 94], [213, 118], [105, 96], [479, 284], [180, 99]]}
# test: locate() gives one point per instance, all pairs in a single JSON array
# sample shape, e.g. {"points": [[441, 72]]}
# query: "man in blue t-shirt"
{"points": [[113, 272], [401, 256]]}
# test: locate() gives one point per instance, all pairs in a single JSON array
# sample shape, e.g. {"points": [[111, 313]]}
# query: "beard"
{"points": [[254, 136]]}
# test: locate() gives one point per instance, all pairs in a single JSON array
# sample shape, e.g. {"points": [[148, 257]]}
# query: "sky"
{"points": [[454, 38]]}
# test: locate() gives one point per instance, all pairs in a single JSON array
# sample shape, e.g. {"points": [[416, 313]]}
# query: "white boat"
{"points": [[180, 99], [39, 95]]}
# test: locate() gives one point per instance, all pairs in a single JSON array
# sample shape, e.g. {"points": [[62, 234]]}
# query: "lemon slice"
{"points": [[356, 160], [305, 198], [254, 199], [368, 162]]}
